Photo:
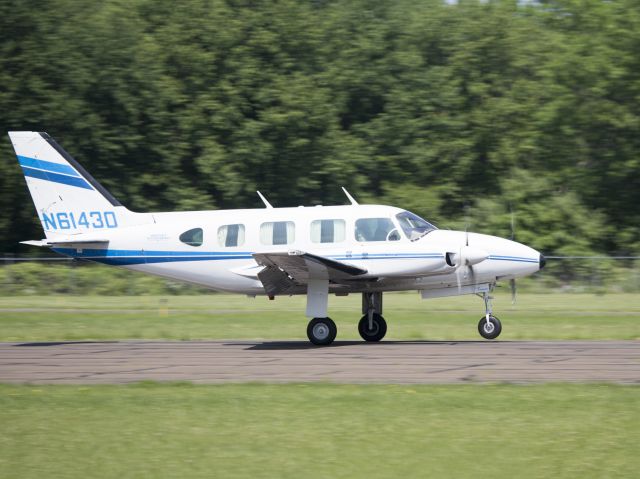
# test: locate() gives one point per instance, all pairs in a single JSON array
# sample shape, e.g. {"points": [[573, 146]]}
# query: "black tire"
{"points": [[322, 331], [491, 330], [378, 331]]}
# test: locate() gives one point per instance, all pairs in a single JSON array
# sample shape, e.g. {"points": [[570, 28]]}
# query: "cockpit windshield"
{"points": [[414, 226]]}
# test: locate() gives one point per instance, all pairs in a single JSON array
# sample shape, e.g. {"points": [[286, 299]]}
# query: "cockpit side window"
{"points": [[192, 237], [376, 229], [414, 226]]}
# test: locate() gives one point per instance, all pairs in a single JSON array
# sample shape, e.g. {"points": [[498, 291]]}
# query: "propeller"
{"points": [[464, 260], [469, 268], [512, 282]]}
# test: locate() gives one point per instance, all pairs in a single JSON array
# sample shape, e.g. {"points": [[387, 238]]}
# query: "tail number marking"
{"points": [[86, 219]]}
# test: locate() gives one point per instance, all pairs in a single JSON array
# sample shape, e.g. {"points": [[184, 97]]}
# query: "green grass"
{"points": [[317, 430], [218, 316], [320, 430]]}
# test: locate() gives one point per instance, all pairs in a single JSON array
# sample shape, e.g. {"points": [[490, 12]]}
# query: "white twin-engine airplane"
{"points": [[270, 251]]}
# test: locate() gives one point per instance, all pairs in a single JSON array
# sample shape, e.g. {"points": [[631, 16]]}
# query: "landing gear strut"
{"points": [[489, 326], [321, 330], [372, 326]]}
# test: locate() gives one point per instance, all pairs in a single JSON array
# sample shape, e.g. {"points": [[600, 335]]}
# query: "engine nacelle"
{"points": [[467, 256]]}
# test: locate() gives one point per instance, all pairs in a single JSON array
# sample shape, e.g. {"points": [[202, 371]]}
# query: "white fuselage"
{"points": [[394, 263]]}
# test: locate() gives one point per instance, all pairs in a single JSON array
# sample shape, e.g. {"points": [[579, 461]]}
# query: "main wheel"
{"points": [[376, 332], [491, 329], [321, 331]]}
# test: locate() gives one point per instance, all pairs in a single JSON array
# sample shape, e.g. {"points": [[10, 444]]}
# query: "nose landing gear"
{"points": [[489, 326]]}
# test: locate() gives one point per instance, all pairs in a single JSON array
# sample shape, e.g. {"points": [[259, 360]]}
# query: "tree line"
{"points": [[493, 116]]}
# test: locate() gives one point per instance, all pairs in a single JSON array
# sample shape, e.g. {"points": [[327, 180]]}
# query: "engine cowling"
{"points": [[466, 256]]}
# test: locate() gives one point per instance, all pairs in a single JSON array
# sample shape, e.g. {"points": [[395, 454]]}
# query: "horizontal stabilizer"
{"points": [[69, 241]]}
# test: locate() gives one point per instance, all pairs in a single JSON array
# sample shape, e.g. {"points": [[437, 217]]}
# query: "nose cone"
{"points": [[542, 261], [513, 259]]}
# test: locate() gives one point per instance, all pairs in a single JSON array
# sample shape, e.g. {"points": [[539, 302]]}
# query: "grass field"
{"points": [[218, 316], [320, 430], [317, 430]]}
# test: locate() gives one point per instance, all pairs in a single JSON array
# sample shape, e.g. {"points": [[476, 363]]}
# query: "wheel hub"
{"points": [[373, 330], [489, 327], [321, 331]]}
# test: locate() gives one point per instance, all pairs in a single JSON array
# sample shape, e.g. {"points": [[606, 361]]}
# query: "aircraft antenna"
{"points": [[513, 224], [264, 200], [353, 201], [512, 282]]}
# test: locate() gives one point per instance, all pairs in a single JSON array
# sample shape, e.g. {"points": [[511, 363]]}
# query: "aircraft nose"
{"points": [[542, 261]]}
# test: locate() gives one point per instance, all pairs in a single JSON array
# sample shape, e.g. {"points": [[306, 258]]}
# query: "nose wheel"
{"points": [[489, 327], [321, 331]]}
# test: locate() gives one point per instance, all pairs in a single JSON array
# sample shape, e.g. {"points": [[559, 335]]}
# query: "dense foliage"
{"points": [[465, 114]]}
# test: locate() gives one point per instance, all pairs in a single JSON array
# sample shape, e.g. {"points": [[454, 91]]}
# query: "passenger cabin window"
{"points": [[231, 235], [376, 229], [277, 232], [328, 231], [192, 237], [414, 226]]}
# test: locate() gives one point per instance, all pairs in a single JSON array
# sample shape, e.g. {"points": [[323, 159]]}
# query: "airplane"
{"points": [[313, 251]]}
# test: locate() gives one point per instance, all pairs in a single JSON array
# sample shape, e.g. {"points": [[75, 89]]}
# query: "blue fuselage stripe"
{"points": [[514, 258], [130, 260], [361, 257], [56, 178], [130, 257], [47, 166]]}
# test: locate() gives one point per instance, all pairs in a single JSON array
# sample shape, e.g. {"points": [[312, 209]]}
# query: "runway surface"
{"points": [[410, 362]]}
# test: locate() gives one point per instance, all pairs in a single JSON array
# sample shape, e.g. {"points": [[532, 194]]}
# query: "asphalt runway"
{"points": [[402, 362]]}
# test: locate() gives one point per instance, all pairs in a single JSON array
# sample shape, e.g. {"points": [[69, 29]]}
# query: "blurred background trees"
{"points": [[468, 114]]}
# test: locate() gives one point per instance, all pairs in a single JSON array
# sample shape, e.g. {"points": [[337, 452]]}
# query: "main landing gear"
{"points": [[322, 331], [489, 326], [372, 326]]}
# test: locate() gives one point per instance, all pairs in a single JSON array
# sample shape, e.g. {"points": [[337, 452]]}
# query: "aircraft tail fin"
{"points": [[67, 198]]}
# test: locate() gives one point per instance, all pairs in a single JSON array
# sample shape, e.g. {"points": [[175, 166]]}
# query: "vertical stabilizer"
{"points": [[67, 198]]}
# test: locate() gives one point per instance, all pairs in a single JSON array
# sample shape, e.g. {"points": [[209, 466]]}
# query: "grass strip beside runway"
{"points": [[221, 316], [319, 430]]}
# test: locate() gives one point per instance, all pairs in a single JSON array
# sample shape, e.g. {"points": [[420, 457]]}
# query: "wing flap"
{"points": [[286, 271], [276, 281]]}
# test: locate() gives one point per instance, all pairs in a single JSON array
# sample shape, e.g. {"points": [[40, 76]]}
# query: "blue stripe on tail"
{"points": [[56, 178], [47, 166]]}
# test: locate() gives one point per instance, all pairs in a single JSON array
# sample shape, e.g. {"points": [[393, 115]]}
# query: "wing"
{"points": [[286, 271]]}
